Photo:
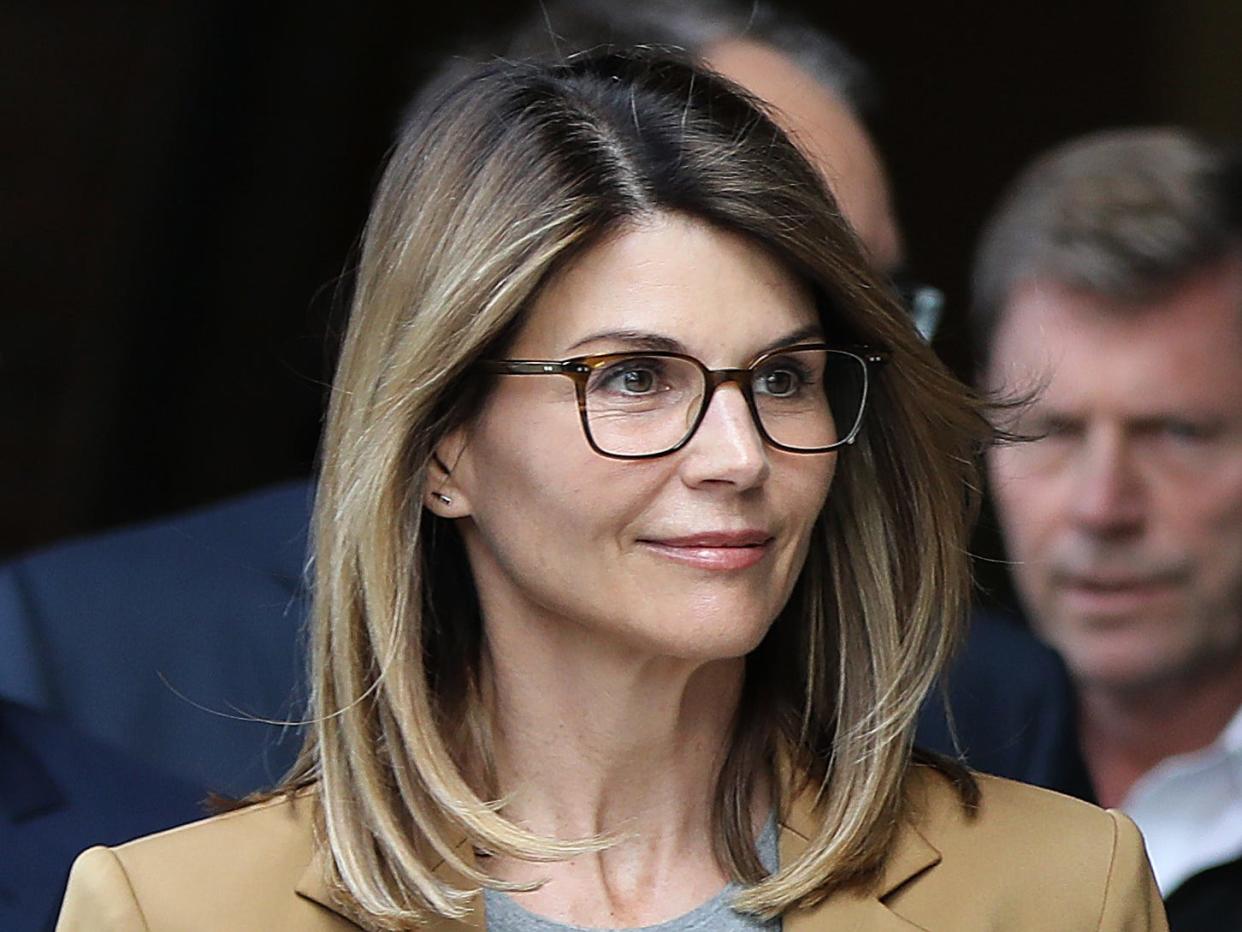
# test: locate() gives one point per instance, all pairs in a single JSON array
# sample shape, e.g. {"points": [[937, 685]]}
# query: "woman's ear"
{"points": [[444, 494]]}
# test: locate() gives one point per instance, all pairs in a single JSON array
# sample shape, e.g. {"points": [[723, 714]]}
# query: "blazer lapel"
{"points": [[842, 913], [858, 908], [313, 885]]}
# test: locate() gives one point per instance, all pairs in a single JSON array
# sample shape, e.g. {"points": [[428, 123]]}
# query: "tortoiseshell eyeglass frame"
{"points": [[579, 369]]}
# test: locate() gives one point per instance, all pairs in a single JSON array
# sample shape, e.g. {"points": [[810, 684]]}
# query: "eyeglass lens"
{"points": [[644, 405]]}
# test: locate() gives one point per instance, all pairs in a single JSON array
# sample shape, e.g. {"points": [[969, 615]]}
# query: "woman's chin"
{"points": [[724, 633]]}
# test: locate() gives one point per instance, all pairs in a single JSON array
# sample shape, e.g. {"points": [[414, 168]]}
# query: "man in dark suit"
{"points": [[210, 603], [61, 793]]}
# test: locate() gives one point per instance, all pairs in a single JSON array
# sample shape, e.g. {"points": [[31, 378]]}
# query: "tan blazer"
{"points": [[1030, 859]]}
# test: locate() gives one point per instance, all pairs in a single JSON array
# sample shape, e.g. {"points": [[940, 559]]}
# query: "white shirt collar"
{"points": [[1189, 808]]}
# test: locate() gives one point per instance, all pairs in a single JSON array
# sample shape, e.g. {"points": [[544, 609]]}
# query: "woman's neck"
{"points": [[607, 743], [592, 738]]}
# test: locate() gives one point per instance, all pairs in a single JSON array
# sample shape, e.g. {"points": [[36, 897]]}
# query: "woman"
{"points": [[640, 538]]}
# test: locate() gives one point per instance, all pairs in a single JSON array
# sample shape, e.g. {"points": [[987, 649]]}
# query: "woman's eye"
{"points": [[780, 383], [638, 381], [631, 378]]}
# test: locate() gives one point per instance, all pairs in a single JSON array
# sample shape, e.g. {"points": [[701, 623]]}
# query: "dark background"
{"points": [[184, 182]]}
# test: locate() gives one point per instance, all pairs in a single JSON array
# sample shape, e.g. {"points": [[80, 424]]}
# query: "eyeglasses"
{"points": [[807, 398]]}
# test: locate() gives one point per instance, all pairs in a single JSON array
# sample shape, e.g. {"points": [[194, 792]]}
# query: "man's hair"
{"points": [[564, 27], [558, 29], [496, 187], [1124, 214]]}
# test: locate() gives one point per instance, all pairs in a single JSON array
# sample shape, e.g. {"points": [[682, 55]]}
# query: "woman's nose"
{"points": [[727, 447]]}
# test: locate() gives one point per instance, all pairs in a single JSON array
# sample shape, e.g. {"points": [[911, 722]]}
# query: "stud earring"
{"points": [[444, 498]]}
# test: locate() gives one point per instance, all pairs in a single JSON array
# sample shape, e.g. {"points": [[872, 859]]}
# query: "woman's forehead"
{"points": [[673, 278]]}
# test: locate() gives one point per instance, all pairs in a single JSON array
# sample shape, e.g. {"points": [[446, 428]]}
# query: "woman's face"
{"points": [[691, 555]]}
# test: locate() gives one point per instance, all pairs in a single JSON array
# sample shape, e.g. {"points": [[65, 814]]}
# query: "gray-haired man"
{"points": [[1109, 287]]}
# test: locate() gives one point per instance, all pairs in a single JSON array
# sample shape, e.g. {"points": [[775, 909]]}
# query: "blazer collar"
{"points": [[313, 885], [845, 910], [855, 908]]}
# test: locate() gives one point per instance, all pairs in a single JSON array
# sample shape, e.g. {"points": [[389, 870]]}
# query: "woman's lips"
{"points": [[726, 550]]}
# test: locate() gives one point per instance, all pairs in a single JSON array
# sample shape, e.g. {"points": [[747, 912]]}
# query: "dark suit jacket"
{"points": [[1209, 901], [159, 638], [168, 639], [59, 794], [1012, 708]]}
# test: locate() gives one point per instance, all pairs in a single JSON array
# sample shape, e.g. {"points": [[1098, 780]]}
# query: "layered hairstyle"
{"points": [[497, 186], [1125, 214]]}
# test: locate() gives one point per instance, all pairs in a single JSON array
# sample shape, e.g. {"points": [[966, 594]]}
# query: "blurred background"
{"points": [[185, 181]]}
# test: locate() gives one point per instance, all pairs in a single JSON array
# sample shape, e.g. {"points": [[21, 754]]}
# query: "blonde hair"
{"points": [[496, 186]]}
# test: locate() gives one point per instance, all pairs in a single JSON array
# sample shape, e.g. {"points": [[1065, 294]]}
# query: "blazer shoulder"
{"points": [[99, 895], [280, 827], [1005, 807], [1027, 858], [238, 870]]}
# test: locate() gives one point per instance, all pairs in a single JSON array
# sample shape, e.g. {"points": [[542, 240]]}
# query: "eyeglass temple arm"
{"points": [[869, 354], [528, 367]]}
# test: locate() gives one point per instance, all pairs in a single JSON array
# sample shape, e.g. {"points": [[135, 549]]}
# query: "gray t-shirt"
{"points": [[716, 915]]}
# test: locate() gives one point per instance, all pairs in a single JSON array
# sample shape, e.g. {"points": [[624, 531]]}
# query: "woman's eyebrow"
{"points": [[801, 335], [635, 339], [657, 342]]}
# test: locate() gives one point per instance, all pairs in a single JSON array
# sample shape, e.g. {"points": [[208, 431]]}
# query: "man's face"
{"points": [[828, 133], [1125, 519]]}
